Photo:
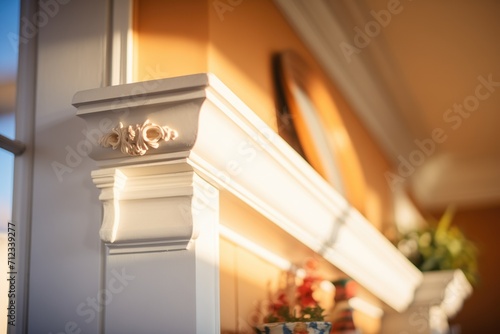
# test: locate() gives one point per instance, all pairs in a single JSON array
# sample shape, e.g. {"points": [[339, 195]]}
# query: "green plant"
{"points": [[440, 246]]}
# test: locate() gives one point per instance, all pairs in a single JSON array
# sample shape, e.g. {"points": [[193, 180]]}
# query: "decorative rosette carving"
{"points": [[137, 139]]}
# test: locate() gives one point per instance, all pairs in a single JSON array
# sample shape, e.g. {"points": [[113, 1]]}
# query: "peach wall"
{"points": [[171, 38], [242, 46]]}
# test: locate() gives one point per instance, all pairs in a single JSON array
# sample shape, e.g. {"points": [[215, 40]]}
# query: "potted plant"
{"points": [[440, 246], [293, 309]]}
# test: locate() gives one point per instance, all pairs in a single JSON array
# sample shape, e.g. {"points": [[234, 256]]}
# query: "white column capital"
{"points": [[149, 208]]}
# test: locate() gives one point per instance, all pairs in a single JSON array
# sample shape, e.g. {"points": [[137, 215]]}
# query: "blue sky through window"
{"points": [[9, 26]]}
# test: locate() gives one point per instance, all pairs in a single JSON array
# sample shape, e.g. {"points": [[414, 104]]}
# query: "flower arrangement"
{"points": [[296, 302], [440, 246]]}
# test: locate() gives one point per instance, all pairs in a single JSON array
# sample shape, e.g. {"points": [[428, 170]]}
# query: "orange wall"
{"points": [[171, 37]]}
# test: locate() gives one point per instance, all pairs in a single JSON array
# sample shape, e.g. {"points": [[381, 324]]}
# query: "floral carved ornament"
{"points": [[137, 139]]}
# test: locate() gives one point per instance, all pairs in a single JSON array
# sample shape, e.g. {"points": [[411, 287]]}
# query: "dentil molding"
{"points": [[155, 201]]}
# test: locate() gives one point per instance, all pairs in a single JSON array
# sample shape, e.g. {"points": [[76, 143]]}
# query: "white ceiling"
{"points": [[410, 77]]}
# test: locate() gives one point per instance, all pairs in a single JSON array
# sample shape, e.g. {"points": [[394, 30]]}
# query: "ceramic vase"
{"points": [[313, 327]]}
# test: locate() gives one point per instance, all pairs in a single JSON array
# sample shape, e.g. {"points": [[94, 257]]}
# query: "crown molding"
{"points": [[223, 142]]}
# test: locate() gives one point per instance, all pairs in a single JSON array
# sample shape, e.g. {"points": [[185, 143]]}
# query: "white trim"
{"points": [[224, 141], [447, 289], [122, 42], [361, 305], [165, 199], [152, 228], [256, 249]]}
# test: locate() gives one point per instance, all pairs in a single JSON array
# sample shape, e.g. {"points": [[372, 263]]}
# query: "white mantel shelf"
{"points": [[221, 143]]}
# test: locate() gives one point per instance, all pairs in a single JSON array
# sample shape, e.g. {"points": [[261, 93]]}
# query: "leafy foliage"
{"points": [[441, 246]]}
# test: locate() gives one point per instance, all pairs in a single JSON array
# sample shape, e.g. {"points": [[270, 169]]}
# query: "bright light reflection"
{"points": [[255, 249], [362, 305], [327, 286], [300, 273]]}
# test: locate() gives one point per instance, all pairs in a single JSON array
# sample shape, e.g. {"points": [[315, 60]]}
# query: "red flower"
{"points": [[280, 301], [305, 292], [303, 307]]}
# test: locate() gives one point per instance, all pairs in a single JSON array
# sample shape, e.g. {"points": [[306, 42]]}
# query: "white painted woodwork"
{"points": [[439, 298], [173, 284], [121, 41], [218, 135], [166, 205], [58, 217]]}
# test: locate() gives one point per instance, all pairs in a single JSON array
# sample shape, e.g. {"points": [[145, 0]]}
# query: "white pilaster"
{"points": [[161, 267]]}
